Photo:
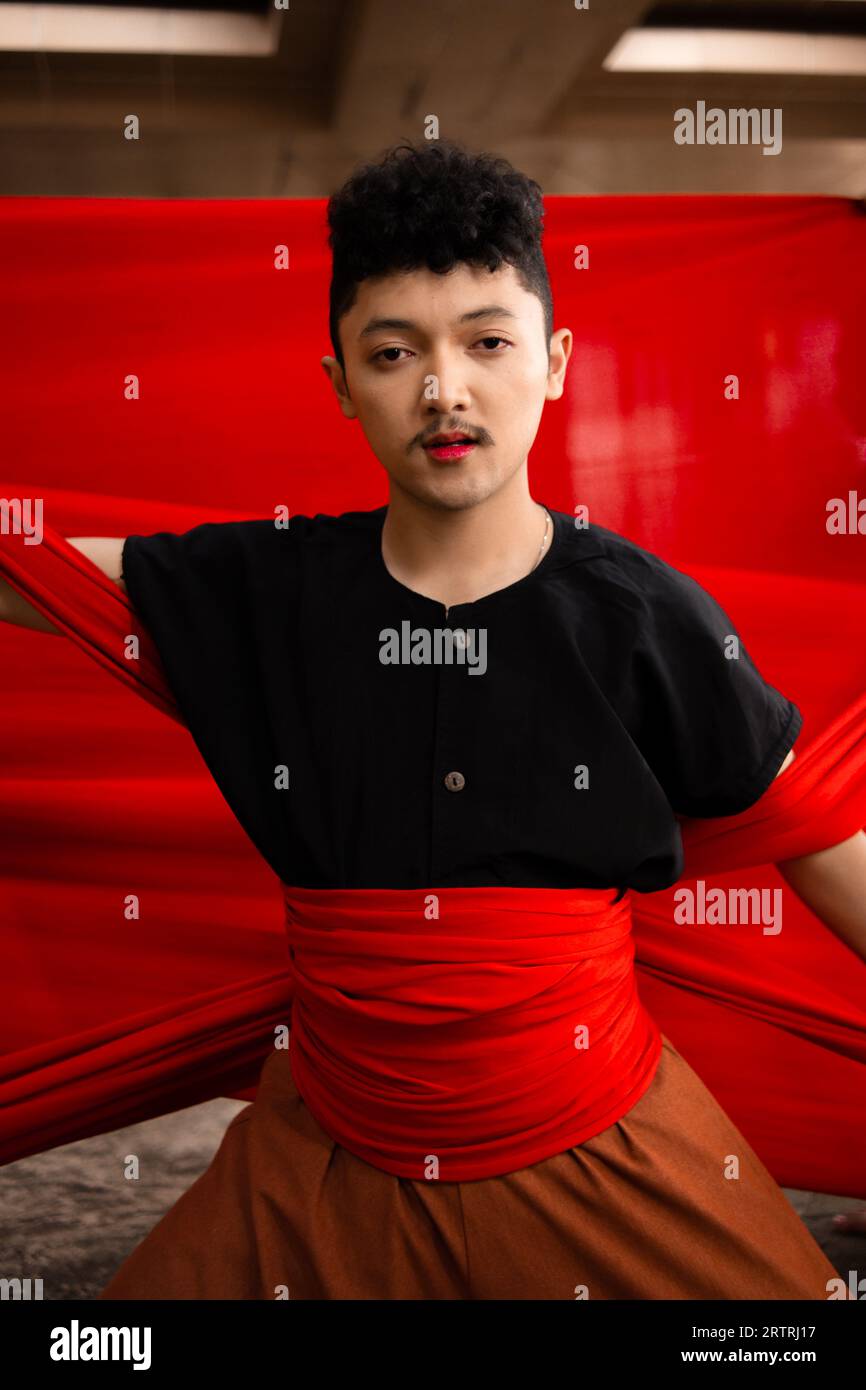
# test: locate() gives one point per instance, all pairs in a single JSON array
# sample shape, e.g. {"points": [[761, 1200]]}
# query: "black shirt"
{"points": [[340, 766]]}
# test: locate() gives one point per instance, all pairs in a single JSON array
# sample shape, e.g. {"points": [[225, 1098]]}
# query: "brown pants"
{"points": [[642, 1210]]}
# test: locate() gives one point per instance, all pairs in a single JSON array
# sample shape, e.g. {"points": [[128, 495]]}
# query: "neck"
{"points": [[459, 554]]}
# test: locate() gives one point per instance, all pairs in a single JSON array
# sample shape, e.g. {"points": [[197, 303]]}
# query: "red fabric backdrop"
{"points": [[108, 1020]]}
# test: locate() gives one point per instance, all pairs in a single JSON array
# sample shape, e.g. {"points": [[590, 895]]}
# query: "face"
{"points": [[465, 351]]}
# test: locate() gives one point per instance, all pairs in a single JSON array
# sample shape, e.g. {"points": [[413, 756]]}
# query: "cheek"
{"points": [[523, 376], [385, 398], [378, 409], [519, 393]]}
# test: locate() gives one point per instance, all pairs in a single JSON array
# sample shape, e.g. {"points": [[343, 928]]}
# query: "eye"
{"points": [[377, 355], [491, 338]]}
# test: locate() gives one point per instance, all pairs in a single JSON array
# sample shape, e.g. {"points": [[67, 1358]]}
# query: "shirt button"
{"points": [[455, 781], [460, 639]]}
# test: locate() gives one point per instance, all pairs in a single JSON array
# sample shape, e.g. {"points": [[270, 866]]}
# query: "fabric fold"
{"points": [[460, 1033], [88, 608], [819, 800]]}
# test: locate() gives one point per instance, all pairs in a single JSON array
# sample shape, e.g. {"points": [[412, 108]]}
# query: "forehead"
{"points": [[437, 302]]}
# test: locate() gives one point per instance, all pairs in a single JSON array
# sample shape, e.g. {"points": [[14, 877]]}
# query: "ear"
{"points": [[337, 378], [560, 351]]}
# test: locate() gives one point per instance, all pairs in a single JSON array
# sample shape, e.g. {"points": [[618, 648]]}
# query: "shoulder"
{"points": [[627, 576], [257, 540], [324, 531]]}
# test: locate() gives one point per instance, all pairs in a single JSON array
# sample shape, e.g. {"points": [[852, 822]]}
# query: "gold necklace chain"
{"points": [[544, 541]]}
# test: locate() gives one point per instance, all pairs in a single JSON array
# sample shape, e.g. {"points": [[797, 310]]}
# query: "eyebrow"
{"points": [[487, 311]]}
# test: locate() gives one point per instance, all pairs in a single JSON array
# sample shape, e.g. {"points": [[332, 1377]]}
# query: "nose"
{"points": [[445, 389]]}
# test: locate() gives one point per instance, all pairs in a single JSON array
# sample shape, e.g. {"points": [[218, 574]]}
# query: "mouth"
{"points": [[453, 446]]}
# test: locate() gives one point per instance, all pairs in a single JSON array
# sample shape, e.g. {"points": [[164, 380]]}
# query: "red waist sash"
{"points": [[458, 1033]]}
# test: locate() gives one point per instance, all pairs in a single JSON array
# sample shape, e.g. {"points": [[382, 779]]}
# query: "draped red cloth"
{"points": [[111, 1017], [478, 1029]]}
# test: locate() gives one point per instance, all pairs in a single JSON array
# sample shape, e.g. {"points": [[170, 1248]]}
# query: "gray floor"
{"points": [[70, 1217]]}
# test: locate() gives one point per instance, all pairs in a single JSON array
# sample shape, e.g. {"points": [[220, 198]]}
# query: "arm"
{"points": [[105, 552], [832, 882]]}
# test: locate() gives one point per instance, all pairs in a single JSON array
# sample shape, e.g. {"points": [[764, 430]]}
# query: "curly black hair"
{"points": [[434, 204]]}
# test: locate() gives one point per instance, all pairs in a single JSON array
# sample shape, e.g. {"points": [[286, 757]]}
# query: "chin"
{"points": [[455, 494], [453, 489]]}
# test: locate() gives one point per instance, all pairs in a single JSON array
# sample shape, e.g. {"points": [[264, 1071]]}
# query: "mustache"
{"points": [[477, 435]]}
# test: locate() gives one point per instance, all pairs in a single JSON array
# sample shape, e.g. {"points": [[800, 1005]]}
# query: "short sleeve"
{"points": [[216, 602], [714, 732]]}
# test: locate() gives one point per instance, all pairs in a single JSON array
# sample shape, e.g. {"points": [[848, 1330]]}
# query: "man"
{"points": [[460, 729]]}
